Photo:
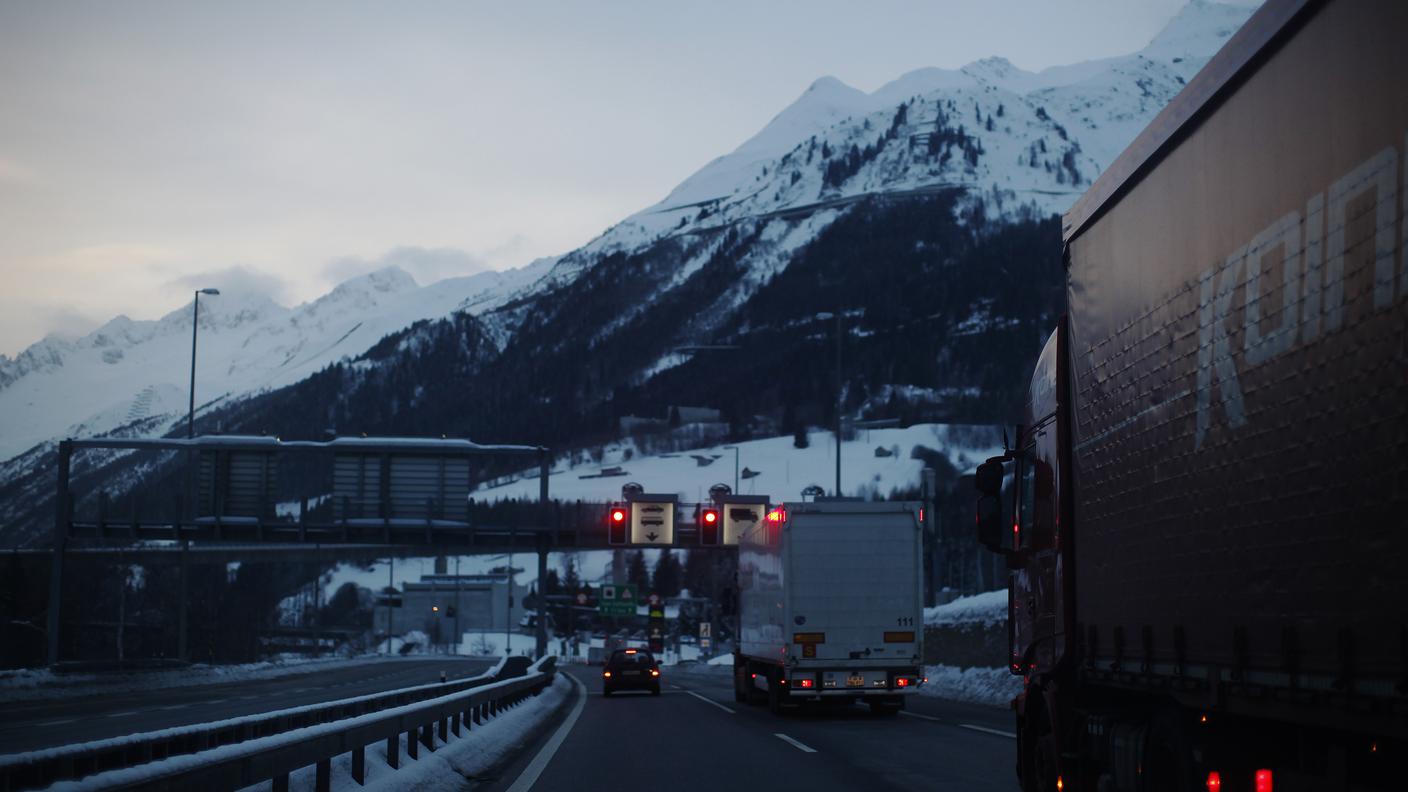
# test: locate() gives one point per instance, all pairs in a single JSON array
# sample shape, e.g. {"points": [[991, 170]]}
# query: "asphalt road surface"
{"points": [[27, 725], [695, 738]]}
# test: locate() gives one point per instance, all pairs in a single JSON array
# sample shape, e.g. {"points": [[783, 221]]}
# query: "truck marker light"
{"points": [[1203, 719], [630, 651], [1060, 784], [654, 672], [1214, 782], [606, 674], [1263, 781]]}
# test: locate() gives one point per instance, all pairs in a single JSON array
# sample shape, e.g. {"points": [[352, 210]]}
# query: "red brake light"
{"points": [[805, 683], [1214, 783], [1263, 781]]}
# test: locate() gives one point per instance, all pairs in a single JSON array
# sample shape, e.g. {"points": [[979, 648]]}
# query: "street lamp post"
{"points": [[195, 325], [735, 466]]}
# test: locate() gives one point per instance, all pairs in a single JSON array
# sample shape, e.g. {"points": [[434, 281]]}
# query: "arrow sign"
{"points": [[652, 536]]}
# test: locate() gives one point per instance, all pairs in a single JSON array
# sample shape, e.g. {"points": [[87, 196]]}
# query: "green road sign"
{"points": [[614, 600]]}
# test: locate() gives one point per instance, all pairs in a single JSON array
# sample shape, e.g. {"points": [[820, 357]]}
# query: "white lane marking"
{"points": [[58, 722], [216, 701], [121, 714], [799, 746], [924, 717], [711, 701], [535, 768], [174, 707], [986, 730]]}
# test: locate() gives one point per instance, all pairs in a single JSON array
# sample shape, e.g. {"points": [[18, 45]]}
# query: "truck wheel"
{"points": [[885, 708], [775, 698], [1169, 758], [1036, 747]]}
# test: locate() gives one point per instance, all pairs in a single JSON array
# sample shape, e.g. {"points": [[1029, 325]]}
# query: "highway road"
{"points": [[27, 725], [694, 738]]}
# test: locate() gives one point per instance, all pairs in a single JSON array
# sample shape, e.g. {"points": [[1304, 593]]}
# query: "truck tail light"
{"points": [[805, 683], [1214, 783], [809, 638], [899, 637], [902, 682], [1263, 781], [606, 674]]}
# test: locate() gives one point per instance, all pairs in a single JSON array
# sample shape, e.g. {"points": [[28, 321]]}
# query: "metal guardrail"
{"points": [[269, 747]]}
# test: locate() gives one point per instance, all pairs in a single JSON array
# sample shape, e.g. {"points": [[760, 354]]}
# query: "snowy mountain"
{"points": [[130, 371], [1023, 143], [921, 211]]}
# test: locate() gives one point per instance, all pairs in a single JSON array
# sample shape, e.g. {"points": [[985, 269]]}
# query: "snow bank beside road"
{"points": [[988, 609], [994, 686]]}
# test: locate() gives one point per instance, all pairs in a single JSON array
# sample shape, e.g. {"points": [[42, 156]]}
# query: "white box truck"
{"points": [[831, 605]]}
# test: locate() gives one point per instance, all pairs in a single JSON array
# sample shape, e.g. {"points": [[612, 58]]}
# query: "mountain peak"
{"points": [[1199, 29]]}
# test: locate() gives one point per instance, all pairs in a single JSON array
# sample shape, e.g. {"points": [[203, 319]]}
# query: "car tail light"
{"points": [[655, 672], [1263, 781], [1214, 783]]}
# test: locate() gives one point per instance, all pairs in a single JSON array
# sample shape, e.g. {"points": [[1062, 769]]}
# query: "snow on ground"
{"points": [[37, 684], [987, 609], [995, 686], [782, 471]]}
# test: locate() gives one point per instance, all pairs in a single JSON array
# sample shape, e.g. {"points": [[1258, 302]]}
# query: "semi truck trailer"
{"points": [[831, 606], [1205, 512]]}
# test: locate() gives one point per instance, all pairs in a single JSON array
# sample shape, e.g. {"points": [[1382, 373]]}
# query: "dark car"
{"points": [[630, 669]]}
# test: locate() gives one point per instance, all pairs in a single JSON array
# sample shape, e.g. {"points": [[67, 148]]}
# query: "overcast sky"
{"points": [[147, 148]]}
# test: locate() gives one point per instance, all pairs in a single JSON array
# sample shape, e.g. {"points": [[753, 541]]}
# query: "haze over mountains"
{"points": [[1003, 144]]}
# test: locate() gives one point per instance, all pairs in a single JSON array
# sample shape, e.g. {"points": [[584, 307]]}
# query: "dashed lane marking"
{"points": [[794, 743], [986, 730], [921, 717], [120, 714], [710, 701], [57, 722], [174, 707]]}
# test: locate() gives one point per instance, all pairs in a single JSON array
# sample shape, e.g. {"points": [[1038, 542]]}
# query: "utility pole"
{"points": [[390, 589], [195, 325]]}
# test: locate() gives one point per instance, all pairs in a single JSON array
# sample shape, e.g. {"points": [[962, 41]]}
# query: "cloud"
{"points": [[426, 265], [15, 173], [236, 281]]}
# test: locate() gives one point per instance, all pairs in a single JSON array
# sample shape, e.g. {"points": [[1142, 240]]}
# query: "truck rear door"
{"points": [[855, 583]]}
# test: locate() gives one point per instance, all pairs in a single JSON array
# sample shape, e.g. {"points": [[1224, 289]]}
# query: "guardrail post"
{"points": [[444, 730], [393, 751], [323, 781], [455, 722], [427, 736], [412, 747], [359, 764]]}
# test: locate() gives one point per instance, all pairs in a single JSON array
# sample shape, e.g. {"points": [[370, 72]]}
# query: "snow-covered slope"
{"points": [[779, 470], [127, 370]]}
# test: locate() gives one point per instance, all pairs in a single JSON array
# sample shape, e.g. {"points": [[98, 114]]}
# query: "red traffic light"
{"points": [[616, 525], [618, 515], [709, 527]]}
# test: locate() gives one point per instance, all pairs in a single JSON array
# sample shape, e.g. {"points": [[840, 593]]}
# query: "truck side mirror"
{"points": [[988, 483]]}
